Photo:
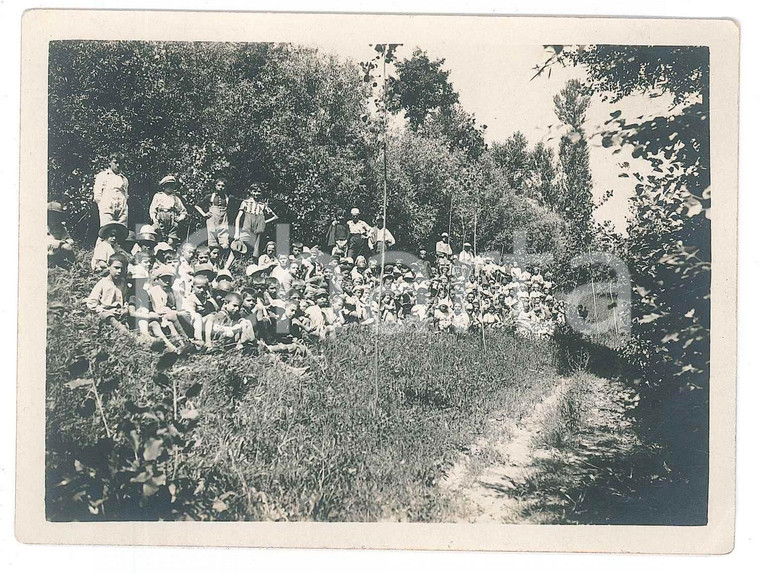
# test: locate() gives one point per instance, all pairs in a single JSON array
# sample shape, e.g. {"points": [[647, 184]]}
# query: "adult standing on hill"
{"points": [[442, 248], [337, 234], [358, 232], [380, 239], [111, 191]]}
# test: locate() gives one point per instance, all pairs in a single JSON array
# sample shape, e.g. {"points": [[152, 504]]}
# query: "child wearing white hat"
{"points": [[167, 210]]}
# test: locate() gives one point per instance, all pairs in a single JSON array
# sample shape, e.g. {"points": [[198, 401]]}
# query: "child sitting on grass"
{"points": [[461, 320], [163, 302], [60, 246], [225, 326], [108, 297], [334, 314], [200, 306], [288, 339], [215, 257], [388, 308], [443, 316], [112, 234], [164, 254]]}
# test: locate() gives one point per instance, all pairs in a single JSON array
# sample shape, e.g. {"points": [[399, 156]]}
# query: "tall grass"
{"points": [[274, 444], [564, 419]]}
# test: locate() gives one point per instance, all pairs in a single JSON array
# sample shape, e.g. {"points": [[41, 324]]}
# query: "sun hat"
{"points": [[147, 233], [224, 273], [164, 271], [205, 269], [467, 244], [355, 211], [167, 179], [55, 206], [239, 246], [163, 246], [120, 229], [444, 234], [254, 270]]}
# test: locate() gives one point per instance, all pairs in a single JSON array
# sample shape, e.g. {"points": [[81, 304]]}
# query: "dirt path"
{"points": [[522, 471]]}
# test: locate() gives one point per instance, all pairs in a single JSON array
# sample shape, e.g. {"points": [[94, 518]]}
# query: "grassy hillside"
{"points": [[233, 436]]}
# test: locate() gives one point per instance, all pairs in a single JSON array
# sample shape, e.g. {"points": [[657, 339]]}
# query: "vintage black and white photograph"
{"points": [[359, 281]]}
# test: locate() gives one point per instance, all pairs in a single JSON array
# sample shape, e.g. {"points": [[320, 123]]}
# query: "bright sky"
{"points": [[497, 87]]}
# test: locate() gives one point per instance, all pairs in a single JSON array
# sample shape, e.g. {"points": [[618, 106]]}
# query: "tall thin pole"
{"points": [[382, 245], [593, 291], [475, 235], [451, 213], [614, 309]]}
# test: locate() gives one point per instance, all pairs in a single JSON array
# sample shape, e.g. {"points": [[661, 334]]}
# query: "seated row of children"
{"points": [[185, 297], [207, 314]]}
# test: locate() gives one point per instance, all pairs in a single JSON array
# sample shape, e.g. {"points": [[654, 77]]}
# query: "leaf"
{"points": [[87, 408], [152, 487], [109, 385], [78, 383], [616, 114], [693, 206], [162, 380], [134, 408], [143, 477], [166, 361], [153, 449], [193, 390], [79, 367]]}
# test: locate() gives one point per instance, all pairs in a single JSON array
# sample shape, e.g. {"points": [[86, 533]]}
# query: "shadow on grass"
{"points": [[607, 477]]}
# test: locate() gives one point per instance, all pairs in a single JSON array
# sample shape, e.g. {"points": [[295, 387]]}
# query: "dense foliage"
{"points": [[278, 114], [668, 242]]}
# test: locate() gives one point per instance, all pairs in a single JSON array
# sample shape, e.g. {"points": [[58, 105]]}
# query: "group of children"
{"points": [[187, 297], [179, 296]]}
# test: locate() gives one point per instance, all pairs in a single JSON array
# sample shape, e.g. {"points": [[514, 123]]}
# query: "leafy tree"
{"points": [[421, 88], [541, 184], [423, 176], [281, 114], [513, 158], [574, 199]]}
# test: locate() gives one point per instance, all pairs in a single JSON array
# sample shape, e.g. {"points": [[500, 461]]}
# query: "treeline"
{"points": [[306, 124]]}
